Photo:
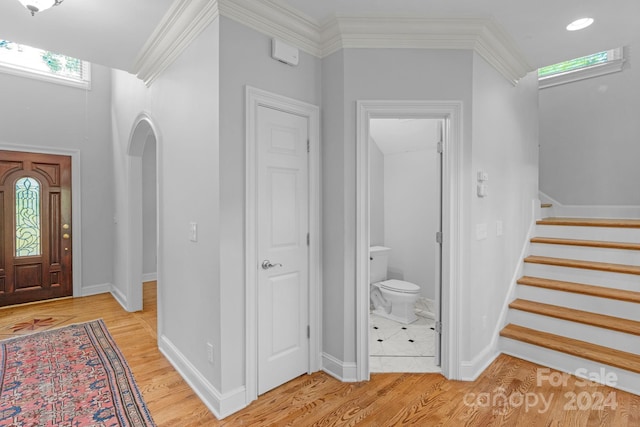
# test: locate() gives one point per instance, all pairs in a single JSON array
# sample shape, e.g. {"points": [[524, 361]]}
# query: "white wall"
{"points": [[149, 200], [411, 212], [589, 132], [183, 104], [505, 145], [376, 194], [34, 113], [245, 59]]}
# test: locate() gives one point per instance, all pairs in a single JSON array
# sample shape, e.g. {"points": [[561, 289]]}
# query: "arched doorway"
{"points": [[143, 212]]}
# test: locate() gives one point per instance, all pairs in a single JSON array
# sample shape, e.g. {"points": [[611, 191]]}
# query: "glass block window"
{"points": [[28, 227], [32, 62], [593, 65]]}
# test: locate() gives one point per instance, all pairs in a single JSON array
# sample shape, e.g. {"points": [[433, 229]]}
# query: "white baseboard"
{"points": [[119, 296], [149, 277], [590, 211], [221, 404], [345, 372], [102, 288], [471, 370]]}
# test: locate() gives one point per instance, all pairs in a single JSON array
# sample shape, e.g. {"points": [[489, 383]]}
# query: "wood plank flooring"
{"points": [[519, 393]]}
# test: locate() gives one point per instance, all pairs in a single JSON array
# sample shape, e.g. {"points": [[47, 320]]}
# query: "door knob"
{"points": [[266, 264]]}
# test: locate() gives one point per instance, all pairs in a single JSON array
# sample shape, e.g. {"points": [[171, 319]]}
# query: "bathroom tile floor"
{"points": [[394, 347]]}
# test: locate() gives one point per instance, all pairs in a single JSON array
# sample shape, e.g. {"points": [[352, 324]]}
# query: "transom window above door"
{"points": [[31, 62]]}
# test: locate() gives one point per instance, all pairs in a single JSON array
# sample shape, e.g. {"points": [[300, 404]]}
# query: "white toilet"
{"points": [[393, 299]]}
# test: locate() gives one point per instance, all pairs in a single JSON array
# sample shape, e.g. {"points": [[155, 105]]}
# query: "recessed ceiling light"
{"points": [[579, 24]]}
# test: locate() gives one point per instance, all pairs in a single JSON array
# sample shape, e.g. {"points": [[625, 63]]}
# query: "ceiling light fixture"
{"points": [[579, 24], [39, 5]]}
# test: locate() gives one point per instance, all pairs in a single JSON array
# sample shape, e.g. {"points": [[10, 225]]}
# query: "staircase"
{"points": [[577, 306]]}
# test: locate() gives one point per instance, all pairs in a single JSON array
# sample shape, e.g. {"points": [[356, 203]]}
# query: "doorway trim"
{"points": [[451, 113], [256, 98], [76, 211]]}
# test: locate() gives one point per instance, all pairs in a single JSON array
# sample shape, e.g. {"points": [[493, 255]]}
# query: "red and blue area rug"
{"points": [[73, 376]]}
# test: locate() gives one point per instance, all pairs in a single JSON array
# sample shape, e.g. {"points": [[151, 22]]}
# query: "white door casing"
{"points": [[283, 224], [451, 258], [283, 304]]}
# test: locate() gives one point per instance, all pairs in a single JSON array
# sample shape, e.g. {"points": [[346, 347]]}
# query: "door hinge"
{"points": [[308, 239], [308, 146], [438, 327], [308, 331], [440, 147], [439, 237]]}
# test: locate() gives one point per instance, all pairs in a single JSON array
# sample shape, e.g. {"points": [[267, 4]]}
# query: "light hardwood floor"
{"points": [[320, 400]]}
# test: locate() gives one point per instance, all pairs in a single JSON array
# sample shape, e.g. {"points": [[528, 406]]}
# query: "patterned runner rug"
{"points": [[73, 376]]}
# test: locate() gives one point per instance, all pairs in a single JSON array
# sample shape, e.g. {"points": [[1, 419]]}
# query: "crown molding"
{"points": [[276, 19], [187, 18], [182, 23], [480, 35]]}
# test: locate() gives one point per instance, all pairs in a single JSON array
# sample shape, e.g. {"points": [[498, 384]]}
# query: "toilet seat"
{"points": [[400, 286]]}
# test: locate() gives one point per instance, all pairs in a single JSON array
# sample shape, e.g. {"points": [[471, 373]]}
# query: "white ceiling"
{"points": [[106, 32], [112, 32], [394, 136]]}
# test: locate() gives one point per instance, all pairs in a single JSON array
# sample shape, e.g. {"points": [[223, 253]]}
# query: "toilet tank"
{"points": [[378, 262]]}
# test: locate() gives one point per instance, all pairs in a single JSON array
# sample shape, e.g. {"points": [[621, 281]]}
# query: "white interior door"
{"points": [[283, 252]]}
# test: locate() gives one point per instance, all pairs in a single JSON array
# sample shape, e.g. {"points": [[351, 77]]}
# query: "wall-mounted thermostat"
{"points": [[284, 52]]}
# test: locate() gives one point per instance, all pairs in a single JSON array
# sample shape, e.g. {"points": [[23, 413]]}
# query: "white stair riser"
{"points": [[609, 307], [630, 282], [609, 234], [626, 380], [579, 331], [584, 253]]}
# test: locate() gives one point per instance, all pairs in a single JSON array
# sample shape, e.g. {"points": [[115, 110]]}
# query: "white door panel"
{"points": [[283, 224]]}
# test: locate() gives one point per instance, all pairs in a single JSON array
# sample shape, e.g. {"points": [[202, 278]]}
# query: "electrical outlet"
{"points": [[210, 353]]}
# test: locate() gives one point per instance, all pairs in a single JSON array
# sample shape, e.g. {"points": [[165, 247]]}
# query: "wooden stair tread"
{"points": [[591, 222], [579, 288], [594, 319], [597, 353], [588, 243], [546, 205], [588, 265]]}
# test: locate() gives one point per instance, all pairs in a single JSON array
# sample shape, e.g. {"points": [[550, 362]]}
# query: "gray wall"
{"points": [[34, 113], [365, 74], [183, 104], [589, 133], [245, 59], [505, 145]]}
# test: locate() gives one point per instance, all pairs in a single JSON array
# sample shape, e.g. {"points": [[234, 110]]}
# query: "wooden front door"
{"points": [[35, 227]]}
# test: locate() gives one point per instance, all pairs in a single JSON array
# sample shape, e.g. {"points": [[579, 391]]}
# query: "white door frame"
{"points": [[76, 205], [451, 112], [259, 98]]}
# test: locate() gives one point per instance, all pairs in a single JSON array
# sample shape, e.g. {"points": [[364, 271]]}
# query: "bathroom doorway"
{"points": [[405, 211], [448, 312]]}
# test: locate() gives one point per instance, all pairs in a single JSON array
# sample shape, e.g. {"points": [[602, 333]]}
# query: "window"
{"points": [[27, 217], [36, 63], [597, 64]]}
